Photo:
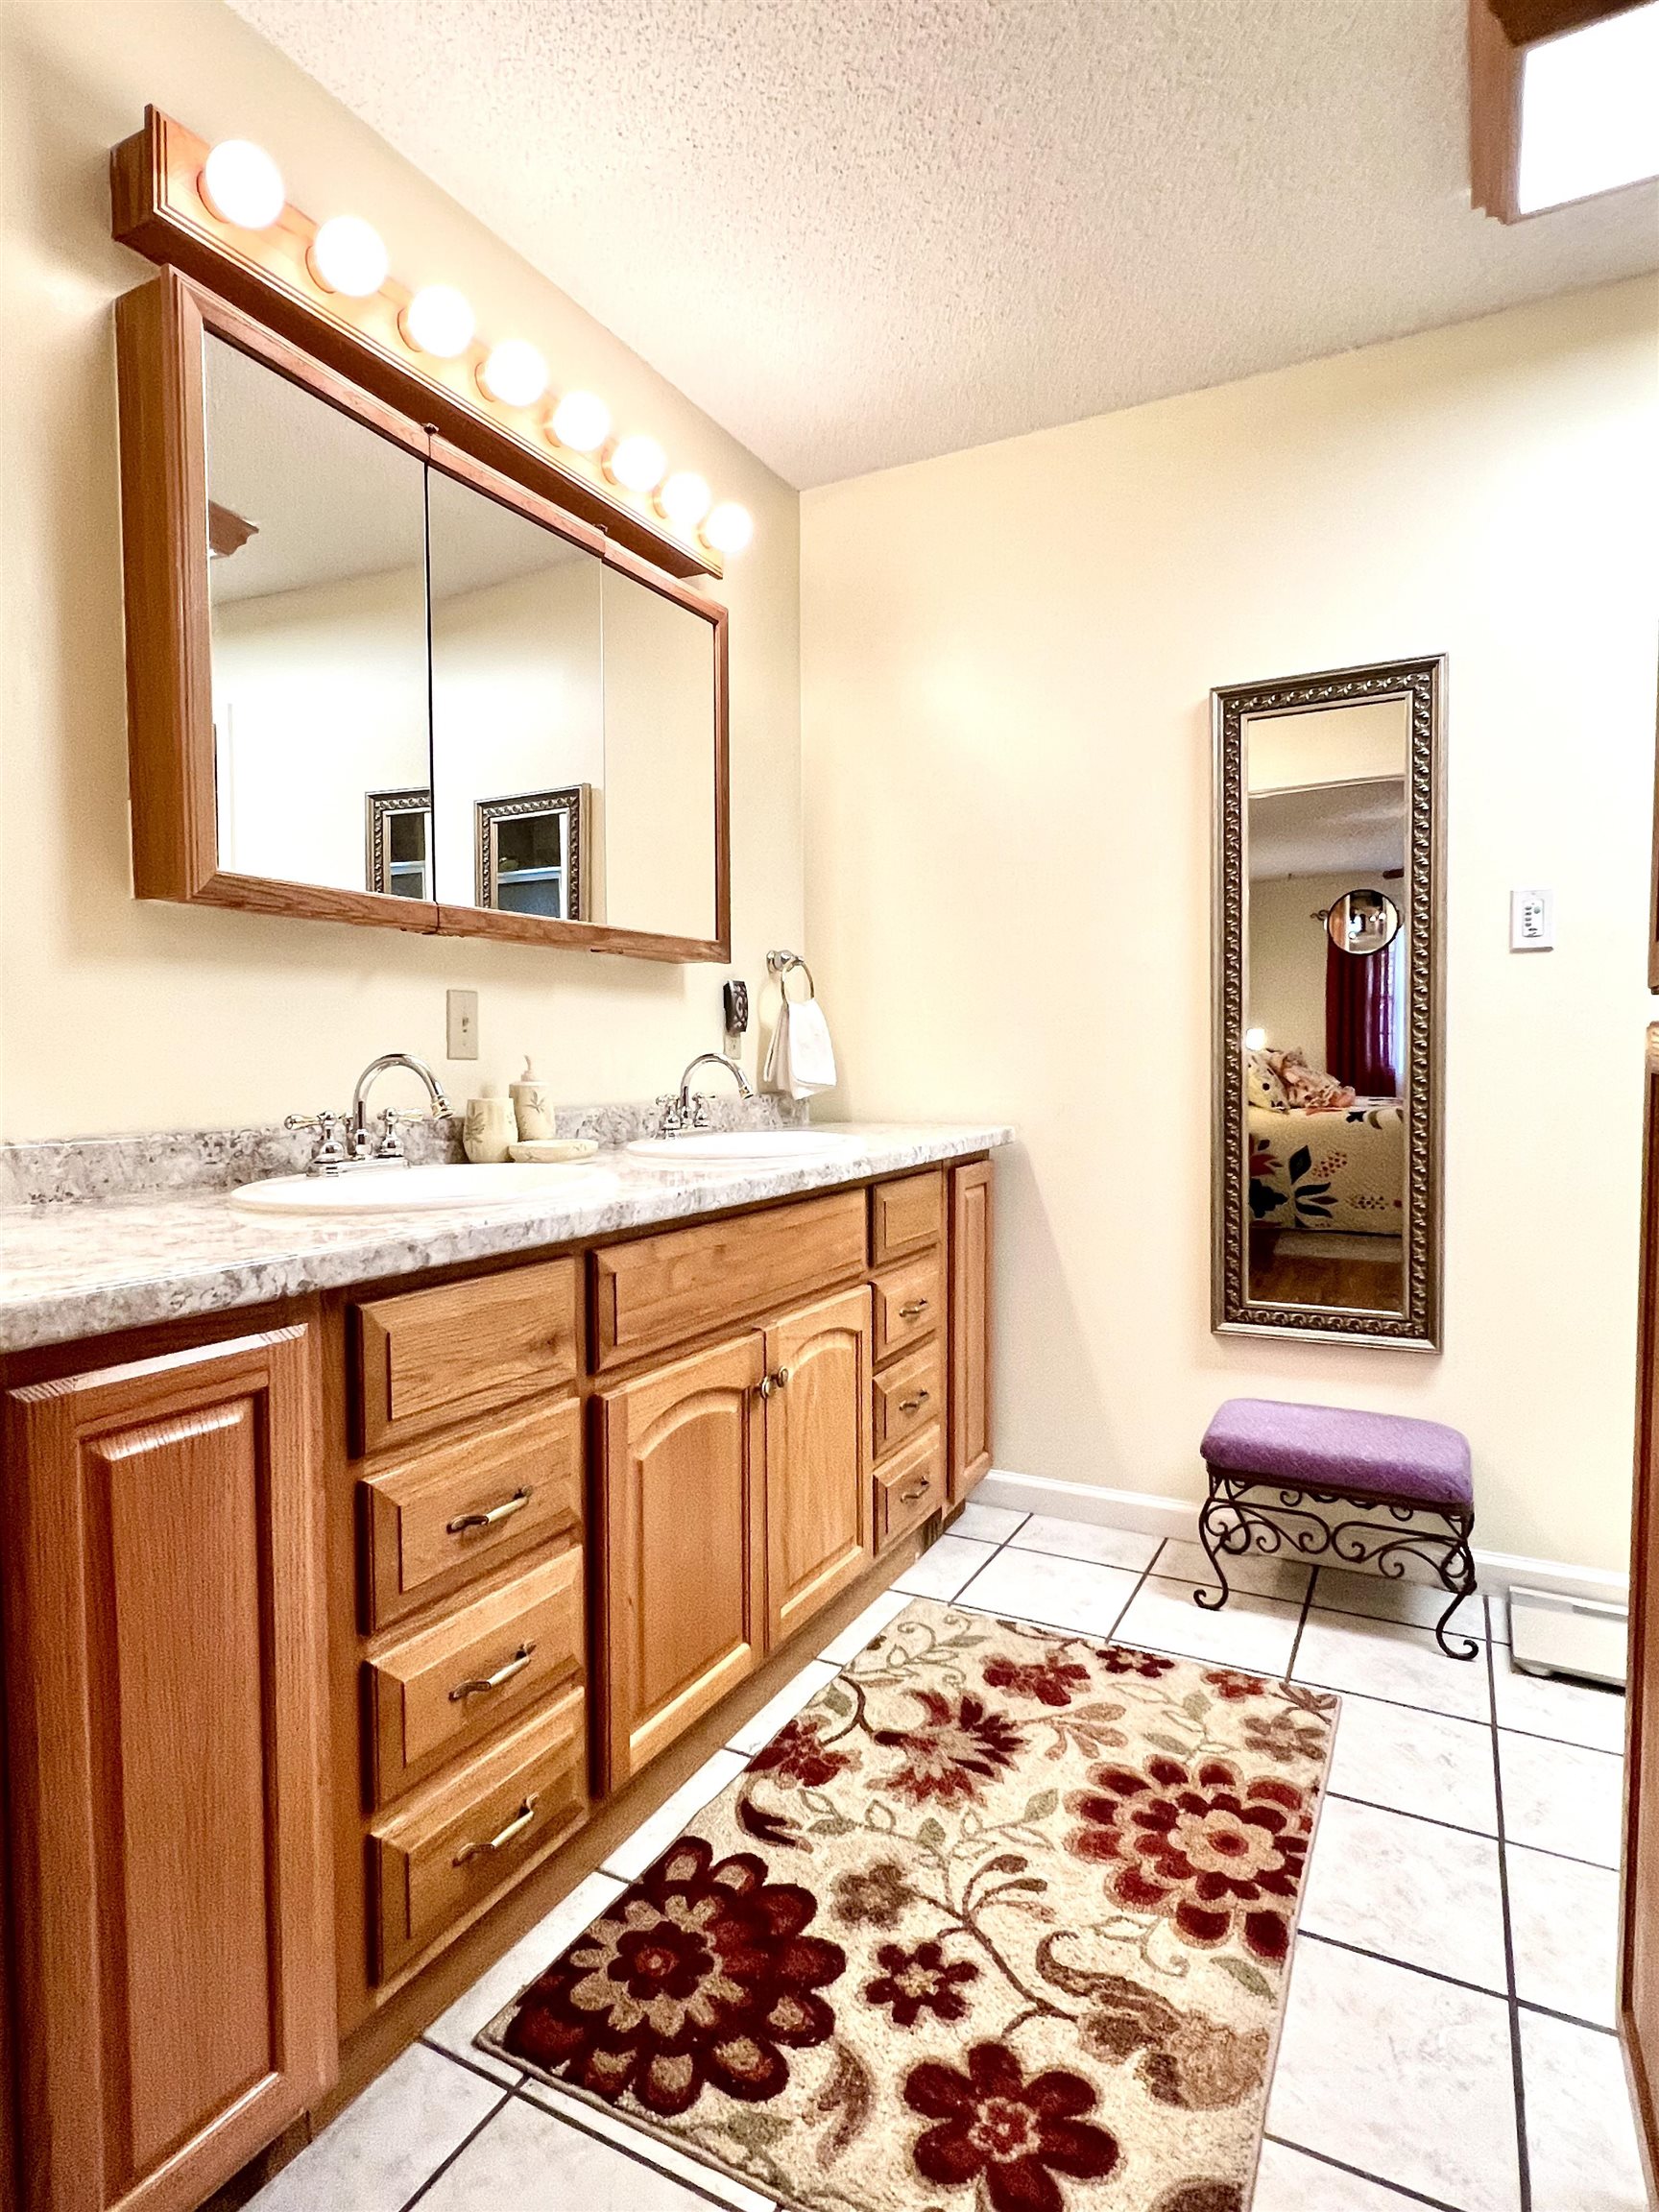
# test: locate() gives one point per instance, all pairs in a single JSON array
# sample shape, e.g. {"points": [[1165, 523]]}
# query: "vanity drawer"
{"points": [[433, 1522], [909, 1487], [664, 1291], [907, 1305], [906, 1216], [437, 1356], [908, 1396], [442, 1690], [477, 1830]]}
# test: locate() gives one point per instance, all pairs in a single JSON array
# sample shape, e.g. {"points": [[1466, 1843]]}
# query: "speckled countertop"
{"points": [[89, 1267]]}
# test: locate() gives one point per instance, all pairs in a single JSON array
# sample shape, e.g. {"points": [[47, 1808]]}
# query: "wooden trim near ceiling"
{"points": [[156, 209], [1500, 34]]}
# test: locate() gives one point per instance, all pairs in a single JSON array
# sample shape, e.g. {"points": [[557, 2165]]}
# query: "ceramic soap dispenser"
{"points": [[533, 1104]]}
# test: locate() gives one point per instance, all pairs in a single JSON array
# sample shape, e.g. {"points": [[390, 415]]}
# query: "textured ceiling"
{"points": [[863, 231]]}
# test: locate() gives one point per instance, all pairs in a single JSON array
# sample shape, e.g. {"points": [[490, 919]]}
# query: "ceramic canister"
{"points": [[489, 1129]]}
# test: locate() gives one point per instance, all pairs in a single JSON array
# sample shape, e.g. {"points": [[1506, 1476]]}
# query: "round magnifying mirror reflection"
{"points": [[1363, 921]]}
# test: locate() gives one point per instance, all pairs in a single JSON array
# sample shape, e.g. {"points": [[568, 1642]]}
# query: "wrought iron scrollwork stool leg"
{"points": [[1213, 1529], [1458, 1575]]}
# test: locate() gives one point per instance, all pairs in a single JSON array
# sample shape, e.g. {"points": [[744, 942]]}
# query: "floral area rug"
{"points": [[1001, 1922]]}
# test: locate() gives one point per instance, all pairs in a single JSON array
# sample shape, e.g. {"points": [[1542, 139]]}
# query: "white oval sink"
{"points": [[416, 1190], [741, 1148]]}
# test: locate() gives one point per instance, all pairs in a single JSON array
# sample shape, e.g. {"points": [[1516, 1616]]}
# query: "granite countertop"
{"points": [[88, 1268]]}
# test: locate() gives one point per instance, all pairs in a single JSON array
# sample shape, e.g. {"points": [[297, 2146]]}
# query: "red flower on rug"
{"points": [[1051, 1681], [1200, 1847], [799, 1755], [917, 1981], [699, 1973], [1016, 2134], [1119, 1659], [962, 1743], [1231, 1686]]}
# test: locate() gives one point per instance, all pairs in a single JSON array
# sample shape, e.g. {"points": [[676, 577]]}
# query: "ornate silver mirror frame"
{"points": [[1416, 1325]]}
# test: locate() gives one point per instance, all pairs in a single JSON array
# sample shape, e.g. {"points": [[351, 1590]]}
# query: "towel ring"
{"points": [[782, 963]]}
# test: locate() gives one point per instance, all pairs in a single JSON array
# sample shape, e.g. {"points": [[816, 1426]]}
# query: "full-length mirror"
{"points": [[1328, 957], [316, 593]]}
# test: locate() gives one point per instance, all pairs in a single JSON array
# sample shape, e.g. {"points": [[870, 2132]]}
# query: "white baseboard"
{"points": [[1151, 1515]]}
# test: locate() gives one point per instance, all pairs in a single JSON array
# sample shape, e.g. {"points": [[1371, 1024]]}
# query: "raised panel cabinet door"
{"points": [[1639, 1947], [818, 1498], [970, 1327], [168, 1824], [683, 1488]]}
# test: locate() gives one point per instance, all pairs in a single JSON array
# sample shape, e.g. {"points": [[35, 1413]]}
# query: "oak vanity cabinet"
{"points": [[171, 1877]]}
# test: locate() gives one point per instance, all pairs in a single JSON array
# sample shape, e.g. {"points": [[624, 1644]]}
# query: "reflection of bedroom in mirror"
{"points": [[1328, 953]]}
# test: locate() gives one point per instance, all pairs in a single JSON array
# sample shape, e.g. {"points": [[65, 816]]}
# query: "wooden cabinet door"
{"points": [[169, 1828], [683, 1526], [1639, 1949], [970, 1326], [818, 1497]]}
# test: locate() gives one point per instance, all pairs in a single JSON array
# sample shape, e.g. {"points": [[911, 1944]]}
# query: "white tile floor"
{"points": [[1448, 2038]]}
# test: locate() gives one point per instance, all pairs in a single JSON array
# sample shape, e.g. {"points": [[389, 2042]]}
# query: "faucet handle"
{"points": [[331, 1131], [670, 1121], [392, 1122], [697, 1114]]}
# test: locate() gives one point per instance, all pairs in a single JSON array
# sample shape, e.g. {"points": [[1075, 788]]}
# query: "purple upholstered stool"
{"points": [[1315, 1456]]}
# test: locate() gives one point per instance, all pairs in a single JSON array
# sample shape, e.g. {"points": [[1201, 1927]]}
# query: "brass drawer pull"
{"points": [[914, 1310], [909, 1497], [516, 1826], [481, 1683], [467, 1524], [771, 1383], [913, 1405]]}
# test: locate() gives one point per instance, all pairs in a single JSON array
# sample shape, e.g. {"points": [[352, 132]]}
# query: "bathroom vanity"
{"points": [[337, 1620]]}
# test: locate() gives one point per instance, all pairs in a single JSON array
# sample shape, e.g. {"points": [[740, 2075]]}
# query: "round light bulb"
{"points": [[683, 500], [348, 257], [514, 372], [438, 321], [243, 185], [638, 463], [582, 421], [729, 528], [1255, 1039]]}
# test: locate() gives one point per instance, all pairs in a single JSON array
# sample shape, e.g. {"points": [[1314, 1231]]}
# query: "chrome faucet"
{"points": [[343, 1140], [391, 1145], [689, 1109]]}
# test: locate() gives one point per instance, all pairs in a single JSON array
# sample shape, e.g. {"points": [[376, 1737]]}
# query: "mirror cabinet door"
{"points": [[317, 612], [1327, 1184], [665, 768], [517, 710]]}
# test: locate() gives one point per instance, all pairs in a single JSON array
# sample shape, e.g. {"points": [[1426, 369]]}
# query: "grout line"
{"points": [[1523, 2154], [1429, 1819], [1404, 1704], [1393, 1619], [456, 2058], [563, 2118], [1572, 1857], [1302, 1621], [1569, 2019], [1139, 1585], [1406, 1965], [1566, 1743], [1361, 2173], [466, 2144], [1080, 1559]]}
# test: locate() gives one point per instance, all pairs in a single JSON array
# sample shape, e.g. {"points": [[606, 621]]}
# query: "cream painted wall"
{"points": [[1006, 662], [120, 1014]]}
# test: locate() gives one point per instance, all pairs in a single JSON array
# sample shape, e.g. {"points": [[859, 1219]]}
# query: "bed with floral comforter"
{"points": [[1335, 1170]]}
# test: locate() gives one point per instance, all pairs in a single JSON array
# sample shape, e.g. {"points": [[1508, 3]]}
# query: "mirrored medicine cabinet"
{"points": [[372, 679]]}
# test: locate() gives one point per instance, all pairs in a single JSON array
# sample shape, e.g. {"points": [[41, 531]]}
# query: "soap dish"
{"points": [[546, 1151]]}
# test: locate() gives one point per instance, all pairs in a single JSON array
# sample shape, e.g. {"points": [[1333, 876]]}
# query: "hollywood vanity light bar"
{"points": [[221, 215]]}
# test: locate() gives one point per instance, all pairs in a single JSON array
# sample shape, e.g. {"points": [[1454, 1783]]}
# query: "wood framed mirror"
{"points": [[353, 649], [1329, 955]]}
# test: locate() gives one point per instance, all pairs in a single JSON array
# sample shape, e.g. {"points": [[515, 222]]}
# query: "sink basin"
{"points": [[415, 1189], [742, 1147]]}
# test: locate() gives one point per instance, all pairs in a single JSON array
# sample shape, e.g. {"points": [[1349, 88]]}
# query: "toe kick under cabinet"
{"points": [[327, 1624]]}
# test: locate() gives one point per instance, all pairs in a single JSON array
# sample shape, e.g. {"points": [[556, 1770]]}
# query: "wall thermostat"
{"points": [[1531, 920]]}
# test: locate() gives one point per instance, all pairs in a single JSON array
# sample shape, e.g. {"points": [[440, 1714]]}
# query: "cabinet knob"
{"points": [[914, 1310], [468, 1523], [914, 1405], [909, 1497], [482, 1683]]}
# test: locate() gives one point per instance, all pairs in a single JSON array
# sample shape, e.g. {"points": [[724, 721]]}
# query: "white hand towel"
{"points": [[801, 1059]]}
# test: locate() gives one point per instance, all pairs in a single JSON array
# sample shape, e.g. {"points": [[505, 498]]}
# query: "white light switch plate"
{"points": [[1531, 920], [461, 1032]]}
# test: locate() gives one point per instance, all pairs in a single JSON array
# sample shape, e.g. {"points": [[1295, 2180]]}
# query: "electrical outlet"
{"points": [[460, 1019], [1531, 920]]}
